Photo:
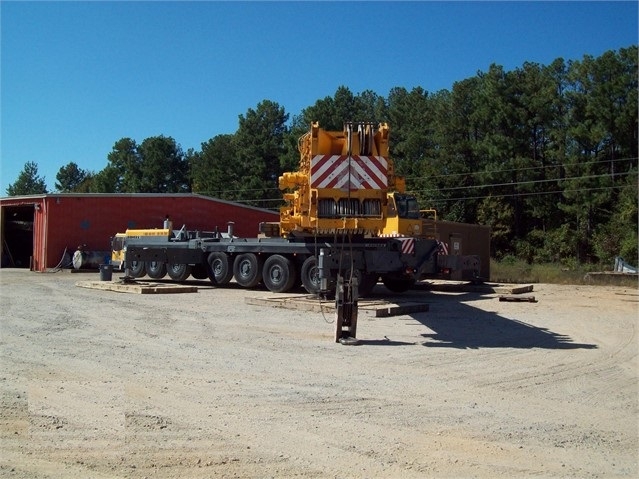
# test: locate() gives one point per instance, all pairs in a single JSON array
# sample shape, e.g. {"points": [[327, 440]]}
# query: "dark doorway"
{"points": [[17, 236]]}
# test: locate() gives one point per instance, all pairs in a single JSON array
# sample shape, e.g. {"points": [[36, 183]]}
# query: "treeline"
{"points": [[545, 154]]}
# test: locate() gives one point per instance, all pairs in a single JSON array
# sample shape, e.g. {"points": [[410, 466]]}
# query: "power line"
{"points": [[480, 197], [518, 183], [460, 188], [528, 168], [534, 193], [452, 188]]}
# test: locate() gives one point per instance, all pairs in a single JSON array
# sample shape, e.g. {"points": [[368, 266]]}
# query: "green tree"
{"points": [[411, 115], [213, 170], [373, 107], [28, 182], [602, 99], [108, 180], [157, 165], [70, 178], [535, 95], [289, 161], [499, 216], [456, 134], [344, 106], [258, 145], [162, 166], [500, 146], [123, 171]]}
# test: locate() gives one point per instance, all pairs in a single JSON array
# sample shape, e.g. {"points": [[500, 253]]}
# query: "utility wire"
{"points": [[452, 175], [518, 183], [277, 200], [534, 193], [503, 195], [475, 187], [528, 168]]}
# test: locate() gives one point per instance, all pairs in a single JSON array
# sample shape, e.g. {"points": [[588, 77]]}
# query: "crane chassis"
{"points": [[281, 264]]}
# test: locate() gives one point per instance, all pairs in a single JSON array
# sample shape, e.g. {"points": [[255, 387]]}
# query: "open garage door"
{"points": [[17, 236]]}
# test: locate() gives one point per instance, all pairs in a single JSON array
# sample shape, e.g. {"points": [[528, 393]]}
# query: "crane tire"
{"points": [[178, 272], [198, 271], [155, 269], [247, 270], [398, 285], [137, 269], [219, 268], [279, 274], [310, 275]]}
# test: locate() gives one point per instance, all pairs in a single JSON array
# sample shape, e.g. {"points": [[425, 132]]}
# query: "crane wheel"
{"points": [[178, 272], [155, 269], [219, 268], [398, 285], [137, 269], [198, 271], [279, 274], [310, 275], [247, 270]]}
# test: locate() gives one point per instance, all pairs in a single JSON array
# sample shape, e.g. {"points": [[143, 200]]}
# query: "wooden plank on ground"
{"points": [[138, 287], [518, 299], [372, 308], [466, 287], [521, 289]]}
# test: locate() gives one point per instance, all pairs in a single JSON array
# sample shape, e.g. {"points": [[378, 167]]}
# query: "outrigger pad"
{"points": [[349, 341]]}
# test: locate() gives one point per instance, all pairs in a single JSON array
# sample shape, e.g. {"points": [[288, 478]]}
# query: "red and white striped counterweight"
{"points": [[360, 173]]}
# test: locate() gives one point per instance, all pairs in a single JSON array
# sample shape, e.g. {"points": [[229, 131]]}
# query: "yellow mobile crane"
{"points": [[347, 223]]}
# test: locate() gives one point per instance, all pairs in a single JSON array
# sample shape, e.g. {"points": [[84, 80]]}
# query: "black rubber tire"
{"points": [[178, 272], [155, 269], [137, 269], [219, 268], [310, 275], [247, 270], [198, 271], [279, 274], [397, 285]]}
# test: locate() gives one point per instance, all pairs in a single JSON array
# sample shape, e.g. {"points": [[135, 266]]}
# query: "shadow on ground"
{"points": [[455, 324]]}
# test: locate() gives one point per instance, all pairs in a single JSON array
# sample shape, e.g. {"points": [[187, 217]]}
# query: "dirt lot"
{"points": [[102, 384]]}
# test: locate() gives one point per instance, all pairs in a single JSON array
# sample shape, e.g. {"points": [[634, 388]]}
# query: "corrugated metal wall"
{"points": [[67, 221]]}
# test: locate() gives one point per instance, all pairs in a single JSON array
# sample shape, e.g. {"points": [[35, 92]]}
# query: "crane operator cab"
{"points": [[403, 217]]}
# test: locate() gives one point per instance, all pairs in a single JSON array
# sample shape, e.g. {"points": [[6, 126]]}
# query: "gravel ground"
{"points": [[98, 384]]}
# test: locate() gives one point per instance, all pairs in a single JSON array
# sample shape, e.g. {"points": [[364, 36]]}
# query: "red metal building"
{"points": [[37, 230]]}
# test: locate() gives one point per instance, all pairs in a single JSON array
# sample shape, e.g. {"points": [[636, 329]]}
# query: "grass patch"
{"points": [[512, 270]]}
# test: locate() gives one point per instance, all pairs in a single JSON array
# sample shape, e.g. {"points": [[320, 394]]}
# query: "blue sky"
{"points": [[78, 76]]}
